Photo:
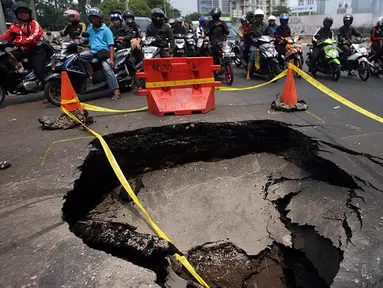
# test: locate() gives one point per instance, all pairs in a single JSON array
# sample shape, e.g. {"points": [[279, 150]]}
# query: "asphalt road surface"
{"points": [[38, 250]]}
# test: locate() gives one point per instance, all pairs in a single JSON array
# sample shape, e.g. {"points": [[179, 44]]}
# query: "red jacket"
{"points": [[376, 35], [26, 38]]}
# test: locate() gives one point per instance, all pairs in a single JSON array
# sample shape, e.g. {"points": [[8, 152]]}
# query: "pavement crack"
{"points": [[347, 229], [352, 195]]}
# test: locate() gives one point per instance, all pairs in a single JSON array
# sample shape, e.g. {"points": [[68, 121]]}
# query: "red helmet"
{"points": [[72, 13]]}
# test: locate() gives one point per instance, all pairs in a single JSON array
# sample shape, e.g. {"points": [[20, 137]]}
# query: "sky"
{"points": [[186, 6]]}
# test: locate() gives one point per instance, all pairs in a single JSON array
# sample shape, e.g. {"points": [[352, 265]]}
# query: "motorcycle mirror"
{"points": [[85, 34]]}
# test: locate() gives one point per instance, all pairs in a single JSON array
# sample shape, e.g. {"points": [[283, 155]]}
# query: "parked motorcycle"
{"points": [[24, 80], [376, 66], [88, 78], [266, 58], [235, 52], [180, 46], [294, 51], [225, 62], [190, 44], [329, 64], [203, 46], [358, 59]]}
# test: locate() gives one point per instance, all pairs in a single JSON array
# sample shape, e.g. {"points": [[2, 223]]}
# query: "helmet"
{"points": [[215, 13], [179, 20], [94, 11], [19, 5], [259, 12], [202, 20], [284, 19], [272, 18], [379, 22], [72, 13], [172, 21], [114, 15], [348, 17], [327, 22], [249, 16], [158, 16], [128, 16]]}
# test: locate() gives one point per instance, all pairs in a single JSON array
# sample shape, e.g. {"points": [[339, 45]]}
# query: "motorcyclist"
{"points": [[25, 34], [345, 34], [200, 34], [281, 33], [321, 34], [172, 23], [102, 47], [162, 31], [377, 37], [178, 28], [116, 25], [217, 32], [257, 29], [272, 24], [75, 27], [244, 34], [132, 34]]}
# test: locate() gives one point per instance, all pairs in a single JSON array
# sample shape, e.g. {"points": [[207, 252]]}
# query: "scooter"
{"points": [[236, 57], [225, 62], [329, 64], [190, 44], [203, 47], [376, 64], [358, 59], [24, 80], [88, 78], [266, 58], [294, 51], [180, 46]]}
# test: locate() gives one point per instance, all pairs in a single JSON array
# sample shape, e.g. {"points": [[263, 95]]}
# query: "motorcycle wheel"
{"points": [[52, 92], [335, 72], [129, 84], [140, 82], [274, 70], [364, 71], [2, 94], [229, 75]]}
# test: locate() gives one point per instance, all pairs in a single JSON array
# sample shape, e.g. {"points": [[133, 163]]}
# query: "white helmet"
{"points": [[272, 18], [259, 12], [379, 22]]}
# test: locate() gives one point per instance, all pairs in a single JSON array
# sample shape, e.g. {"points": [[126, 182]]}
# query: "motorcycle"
{"points": [[329, 64], [266, 58], [358, 59], [180, 46], [225, 62], [236, 48], [190, 44], [376, 64], [87, 78], [294, 51], [203, 46], [23, 80]]}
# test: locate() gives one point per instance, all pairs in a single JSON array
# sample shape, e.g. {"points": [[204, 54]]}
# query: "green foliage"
{"points": [[193, 17], [140, 8], [280, 10], [108, 5], [170, 11]]}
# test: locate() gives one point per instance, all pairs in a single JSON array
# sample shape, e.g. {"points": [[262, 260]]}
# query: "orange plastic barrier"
{"points": [[179, 86]]}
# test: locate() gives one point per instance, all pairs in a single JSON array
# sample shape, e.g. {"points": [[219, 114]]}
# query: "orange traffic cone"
{"points": [[289, 95], [69, 99]]}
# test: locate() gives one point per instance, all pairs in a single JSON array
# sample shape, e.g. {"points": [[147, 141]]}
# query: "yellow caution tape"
{"points": [[102, 109], [335, 95], [71, 101], [128, 189], [281, 75], [179, 83]]}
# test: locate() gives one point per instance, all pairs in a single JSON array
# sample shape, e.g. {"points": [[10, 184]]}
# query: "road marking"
{"points": [[361, 135], [60, 141], [315, 116]]}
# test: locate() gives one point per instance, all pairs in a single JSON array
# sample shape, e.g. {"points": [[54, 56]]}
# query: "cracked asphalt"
{"points": [[38, 250]]}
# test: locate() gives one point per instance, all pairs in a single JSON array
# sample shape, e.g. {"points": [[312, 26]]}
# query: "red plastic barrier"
{"points": [[179, 86]]}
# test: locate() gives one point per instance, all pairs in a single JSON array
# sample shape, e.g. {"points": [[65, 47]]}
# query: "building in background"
{"points": [[362, 6], [205, 6], [303, 6]]}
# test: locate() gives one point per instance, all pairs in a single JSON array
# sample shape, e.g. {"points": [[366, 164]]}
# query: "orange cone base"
{"points": [[181, 101]]}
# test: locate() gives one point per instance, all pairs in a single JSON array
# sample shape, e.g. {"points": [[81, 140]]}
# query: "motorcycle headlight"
{"points": [[364, 51], [226, 49]]}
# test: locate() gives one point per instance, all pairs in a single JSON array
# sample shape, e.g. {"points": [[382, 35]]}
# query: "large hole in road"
{"points": [[221, 192]]}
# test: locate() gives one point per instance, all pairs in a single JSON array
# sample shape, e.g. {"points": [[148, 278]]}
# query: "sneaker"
{"points": [[116, 97]]}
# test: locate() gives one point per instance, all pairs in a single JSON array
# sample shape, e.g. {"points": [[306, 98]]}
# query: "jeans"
{"points": [[37, 58], [378, 48], [346, 54], [111, 79], [314, 58]]}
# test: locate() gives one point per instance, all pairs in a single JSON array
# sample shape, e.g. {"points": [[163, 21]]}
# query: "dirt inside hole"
{"points": [[222, 264]]}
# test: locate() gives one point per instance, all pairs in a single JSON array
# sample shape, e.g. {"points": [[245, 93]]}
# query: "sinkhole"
{"points": [[223, 193]]}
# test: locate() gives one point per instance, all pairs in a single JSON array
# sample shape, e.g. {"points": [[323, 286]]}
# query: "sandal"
{"points": [[116, 97], [4, 165]]}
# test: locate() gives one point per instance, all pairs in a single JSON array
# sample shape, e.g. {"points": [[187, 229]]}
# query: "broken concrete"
{"points": [[89, 204]]}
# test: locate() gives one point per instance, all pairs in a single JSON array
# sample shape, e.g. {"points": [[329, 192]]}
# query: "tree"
{"points": [[140, 8], [169, 10], [280, 10], [193, 17], [108, 5]]}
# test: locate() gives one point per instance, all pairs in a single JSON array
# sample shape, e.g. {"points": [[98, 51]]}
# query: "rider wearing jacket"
{"points": [[116, 25], [272, 27], [132, 34], [217, 32], [162, 31], [25, 34], [178, 28], [281, 33], [377, 37], [75, 27], [345, 36], [321, 34]]}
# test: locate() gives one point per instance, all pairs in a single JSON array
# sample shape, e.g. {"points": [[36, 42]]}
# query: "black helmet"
{"points": [[94, 11], [250, 15], [158, 16], [348, 17], [19, 5], [115, 14], [128, 16], [327, 22], [215, 13]]}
